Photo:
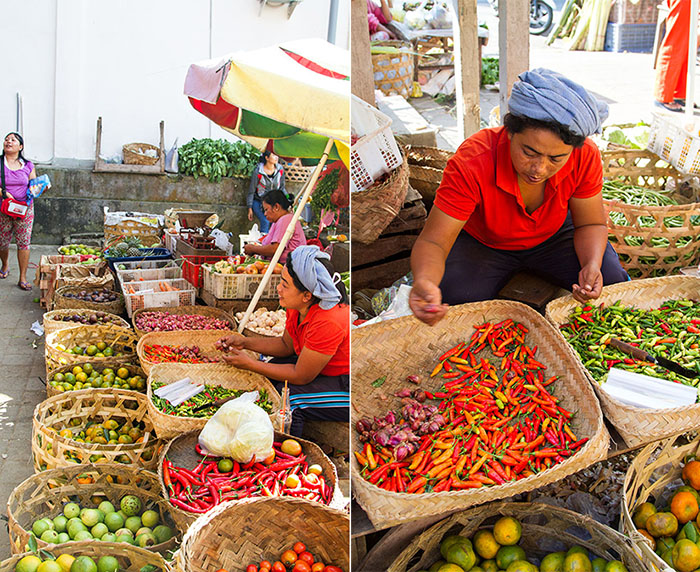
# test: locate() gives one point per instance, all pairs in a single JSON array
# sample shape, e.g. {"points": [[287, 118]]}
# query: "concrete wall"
{"points": [[74, 60], [75, 203]]}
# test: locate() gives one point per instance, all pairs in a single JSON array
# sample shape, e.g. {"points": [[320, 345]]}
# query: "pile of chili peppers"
{"points": [[180, 354], [210, 394], [503, 423], [204, 487], [671, 331]]}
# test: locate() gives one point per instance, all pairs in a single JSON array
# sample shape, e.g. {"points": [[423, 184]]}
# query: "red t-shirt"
{"points": [[326, 332], [480, 186]]}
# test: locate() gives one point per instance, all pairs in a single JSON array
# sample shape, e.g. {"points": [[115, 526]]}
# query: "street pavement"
{"points": [[21, 373]]}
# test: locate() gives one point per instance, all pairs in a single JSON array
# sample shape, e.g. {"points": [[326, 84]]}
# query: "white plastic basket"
{"points": [[238, 286], [144, 264], [170, 240], [376, 151], [147, 294], [672, 140], [138, 275]]}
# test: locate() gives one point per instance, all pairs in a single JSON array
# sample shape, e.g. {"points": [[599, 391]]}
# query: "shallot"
{"points": [[166, 322]]}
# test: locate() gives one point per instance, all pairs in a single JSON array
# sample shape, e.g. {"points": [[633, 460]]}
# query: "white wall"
{"points": [[126, 60]]}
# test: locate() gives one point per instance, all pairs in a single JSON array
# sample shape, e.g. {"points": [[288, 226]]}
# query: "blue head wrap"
{"points": [[306, 261], [549, 96]]}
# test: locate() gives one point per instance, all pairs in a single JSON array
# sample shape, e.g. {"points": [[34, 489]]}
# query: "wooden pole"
{"points": [[467, 68], [362, 84], [287, 235], [513, 45]]}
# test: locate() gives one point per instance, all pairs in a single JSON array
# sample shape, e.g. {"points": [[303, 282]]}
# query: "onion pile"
{"points": [[265, 322], [166, 322]]}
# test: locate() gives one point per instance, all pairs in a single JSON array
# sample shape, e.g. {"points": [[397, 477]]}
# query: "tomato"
{"points": [[251, 568], [299, 547], [307, 557], [265, 564], [291, 447], [301, 566], [332, 569], [278, 567], [318, 567], [288, 557]]}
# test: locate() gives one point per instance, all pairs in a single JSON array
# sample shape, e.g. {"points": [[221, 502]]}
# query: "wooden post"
{"points": [[513, 45], [467, 68], [362, 76]]}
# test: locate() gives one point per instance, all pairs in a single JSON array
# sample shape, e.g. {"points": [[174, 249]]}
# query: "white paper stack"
{"points": [[179, 391], [640, 390]]}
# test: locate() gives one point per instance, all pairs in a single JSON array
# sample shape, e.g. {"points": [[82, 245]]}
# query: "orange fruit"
{"points": [[291, 447], [691, 474], [642, 514], [684, 506], [649, 538], [662, 524], [686, 556]]}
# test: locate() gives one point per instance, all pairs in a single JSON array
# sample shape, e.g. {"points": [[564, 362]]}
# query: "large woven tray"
{"points": [[264, 528], [181, 452], [114, 364], [119, 339], [45, 494], [61, 302], [169, 426], [405, 346], [204, 339], [131, 558], [546, 529], [654, 469], [52, 320], [183, 310], [636, 425], [50, 450]]}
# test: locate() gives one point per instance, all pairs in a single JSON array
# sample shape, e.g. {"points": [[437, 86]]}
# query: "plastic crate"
{"points": [[376, 152], [139, 275], [637, 38], [192, 267], [238, 286], [170, 240], [147, 294], [148, 254], [673, 142]]}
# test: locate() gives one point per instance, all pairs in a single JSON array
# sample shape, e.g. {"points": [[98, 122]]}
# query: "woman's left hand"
{"points": [[250, 248], [238, 358], [590, 284]]}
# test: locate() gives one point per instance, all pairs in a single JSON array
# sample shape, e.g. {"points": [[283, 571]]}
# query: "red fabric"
{"points": [[672, 65], [222, 113], [326, 332], [313, 66], [480, 186]]}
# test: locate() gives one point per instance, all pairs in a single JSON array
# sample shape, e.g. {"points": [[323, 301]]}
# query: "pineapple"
{"points": [[133, 251]]}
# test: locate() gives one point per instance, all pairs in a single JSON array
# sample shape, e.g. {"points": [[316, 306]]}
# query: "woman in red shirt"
{"points": [[523, 196], [313, 355]]}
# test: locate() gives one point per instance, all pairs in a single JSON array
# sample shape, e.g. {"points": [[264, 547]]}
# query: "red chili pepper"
{"points": [[184, 506]]}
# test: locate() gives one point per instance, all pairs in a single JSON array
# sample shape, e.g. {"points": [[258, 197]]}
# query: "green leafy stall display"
{"points": [[215, 159]]}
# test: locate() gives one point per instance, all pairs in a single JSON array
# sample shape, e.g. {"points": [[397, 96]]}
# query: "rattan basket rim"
{"points": [[184, 310]]}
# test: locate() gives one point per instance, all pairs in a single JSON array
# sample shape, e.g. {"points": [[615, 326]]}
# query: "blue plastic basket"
{"points": [[149, 254], [637, 38]]}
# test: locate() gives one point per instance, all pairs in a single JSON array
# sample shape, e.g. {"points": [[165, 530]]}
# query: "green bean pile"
{"points": [[210, 394], [671, 331], [633, 195]]}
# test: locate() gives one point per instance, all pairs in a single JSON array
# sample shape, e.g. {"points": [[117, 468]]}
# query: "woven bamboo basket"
{"points": [[637, 426], [204, 339], [656, 468], [393, 73], [169, 426], [60, 302], [119, 339], [184, 310], [374, 208], [134, 154], [52, 320], [114, 364], [146, 233], [131, 558], [546, 529], [209, 544], [97, 282], [181, 452], [425, 168], [45, 494], [50, 450], [390, 347]]}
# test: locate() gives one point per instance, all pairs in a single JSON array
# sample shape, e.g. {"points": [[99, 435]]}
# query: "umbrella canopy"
{"points": [[290, 98]]}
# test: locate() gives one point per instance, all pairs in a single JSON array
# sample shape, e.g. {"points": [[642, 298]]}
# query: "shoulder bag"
{"points": [[10, 206]]}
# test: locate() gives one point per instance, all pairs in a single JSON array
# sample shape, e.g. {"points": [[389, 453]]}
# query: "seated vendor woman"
{"points": [[525, 196], [313, 355], [276, 206]]}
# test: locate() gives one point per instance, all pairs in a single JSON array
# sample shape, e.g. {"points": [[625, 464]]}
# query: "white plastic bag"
{"points": [[240, 430]]}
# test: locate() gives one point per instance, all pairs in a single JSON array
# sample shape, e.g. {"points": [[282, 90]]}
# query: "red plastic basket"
{"points": [[192, 266]]}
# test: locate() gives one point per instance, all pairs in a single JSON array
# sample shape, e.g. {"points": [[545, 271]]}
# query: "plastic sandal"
{"points": [[24, 285], [669, 106], [5, 274]]}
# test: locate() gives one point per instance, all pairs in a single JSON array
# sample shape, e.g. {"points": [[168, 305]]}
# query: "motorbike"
{"points": [[541, 15]]}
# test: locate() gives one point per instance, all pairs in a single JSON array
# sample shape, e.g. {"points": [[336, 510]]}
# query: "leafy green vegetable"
{"points": [[379, 382], [215, 159], [321, 197], [489, 70]]}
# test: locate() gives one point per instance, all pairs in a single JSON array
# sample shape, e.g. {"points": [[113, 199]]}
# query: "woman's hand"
{"points": [[250, 214], [250, 248], [590, 284], [425, 301], [239, 359], [235, 341]]}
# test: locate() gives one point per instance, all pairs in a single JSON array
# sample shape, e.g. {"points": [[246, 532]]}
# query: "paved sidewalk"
{"points": [[21, 372]]}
